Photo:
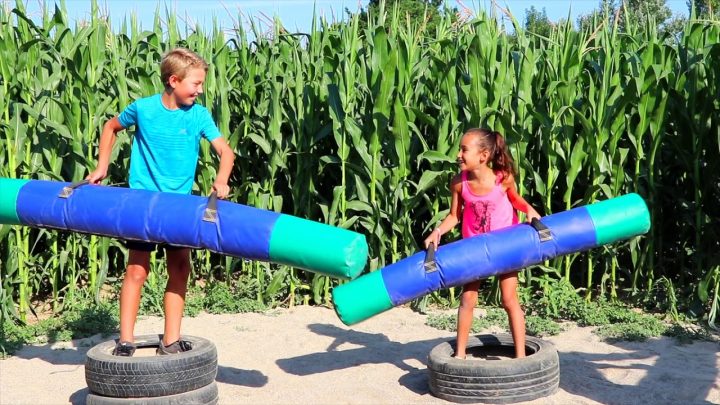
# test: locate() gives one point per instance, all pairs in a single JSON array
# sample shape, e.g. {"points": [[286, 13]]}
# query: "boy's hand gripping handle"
{"points": [[68, 190], [210, 214]]}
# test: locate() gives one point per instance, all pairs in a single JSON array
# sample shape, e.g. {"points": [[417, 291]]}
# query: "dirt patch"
{"points": [[305, 355]]}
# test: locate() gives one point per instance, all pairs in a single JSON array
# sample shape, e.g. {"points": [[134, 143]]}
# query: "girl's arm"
{"points": [[517, 201], [107, 140], [453, 216]]}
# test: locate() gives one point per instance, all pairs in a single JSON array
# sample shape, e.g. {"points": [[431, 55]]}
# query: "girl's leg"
{"points": [[178, 263], [135, 275], [508, 289], [468, 300]]}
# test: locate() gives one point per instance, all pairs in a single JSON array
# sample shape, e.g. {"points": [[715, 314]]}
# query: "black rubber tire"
{"points": [[497, 381], [207, 395], [150, 376]]}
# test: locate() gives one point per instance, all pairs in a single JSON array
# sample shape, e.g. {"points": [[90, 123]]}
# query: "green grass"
{"points": [[84, 317], [612, 321], [83, 320], [223, 299], [495, 317]]}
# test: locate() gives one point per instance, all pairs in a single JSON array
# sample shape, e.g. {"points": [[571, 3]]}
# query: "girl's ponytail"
{"points": [[502, 160], [493, 142]]}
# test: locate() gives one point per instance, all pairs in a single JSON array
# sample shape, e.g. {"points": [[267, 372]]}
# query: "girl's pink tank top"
{"points": [[488, 212]]}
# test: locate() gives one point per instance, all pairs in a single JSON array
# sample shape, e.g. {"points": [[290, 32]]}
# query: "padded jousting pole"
{"points": [[498, 252], [184, 220]]}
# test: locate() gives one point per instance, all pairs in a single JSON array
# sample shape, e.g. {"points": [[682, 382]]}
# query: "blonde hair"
{"points": [[177, 62]]}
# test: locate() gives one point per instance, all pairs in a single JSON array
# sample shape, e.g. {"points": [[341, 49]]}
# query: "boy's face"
{"points": [[186, 90]]}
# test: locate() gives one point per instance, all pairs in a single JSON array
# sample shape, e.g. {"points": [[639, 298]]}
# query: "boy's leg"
{"points": [[135, 276], [468, 300], [178, 264], [516, 316]]}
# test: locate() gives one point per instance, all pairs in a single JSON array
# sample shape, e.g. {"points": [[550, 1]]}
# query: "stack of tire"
{"points": [[490, 374], [182, 378]]}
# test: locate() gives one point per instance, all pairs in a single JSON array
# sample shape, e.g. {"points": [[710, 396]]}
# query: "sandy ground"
{"points": [[305, 355]]}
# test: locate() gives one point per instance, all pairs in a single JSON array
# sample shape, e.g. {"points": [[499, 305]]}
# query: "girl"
{"points": [[485, 189]]}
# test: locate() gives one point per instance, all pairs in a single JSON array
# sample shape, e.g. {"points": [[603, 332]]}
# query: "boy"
{"points": [[164, 157]]}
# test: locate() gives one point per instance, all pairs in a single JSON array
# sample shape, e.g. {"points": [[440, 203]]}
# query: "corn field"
{"points": [[356, 124]]}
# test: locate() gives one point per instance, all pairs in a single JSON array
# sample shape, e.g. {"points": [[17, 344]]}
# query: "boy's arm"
{"points": [[227, 159], [453, 216], [517, 201], [107, 140]]}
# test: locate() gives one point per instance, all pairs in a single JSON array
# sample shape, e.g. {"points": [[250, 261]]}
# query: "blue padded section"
{"points": [[406, 279], [573, 231], [498, 252], [149, 216], [28, 203], [243, 231]]}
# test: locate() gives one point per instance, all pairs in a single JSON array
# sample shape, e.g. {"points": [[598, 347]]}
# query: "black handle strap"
{"points": [[429, 264], [68, 190], [543, 231], [210, 214]]}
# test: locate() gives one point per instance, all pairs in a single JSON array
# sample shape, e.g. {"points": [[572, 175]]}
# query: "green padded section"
{"points": [[619, 218], [318, 247], [9, 189], [361, 298]]}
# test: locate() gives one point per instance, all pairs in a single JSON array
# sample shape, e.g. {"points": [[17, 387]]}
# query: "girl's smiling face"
{"points": [[470, 156], [187, 89]]}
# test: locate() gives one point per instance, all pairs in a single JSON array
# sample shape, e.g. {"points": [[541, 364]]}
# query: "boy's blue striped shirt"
{"points": [[166, 144]]}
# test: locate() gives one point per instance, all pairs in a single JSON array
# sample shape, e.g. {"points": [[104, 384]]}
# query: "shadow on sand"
{"points": [[580, 373], [665, 368], [375, 348]]}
